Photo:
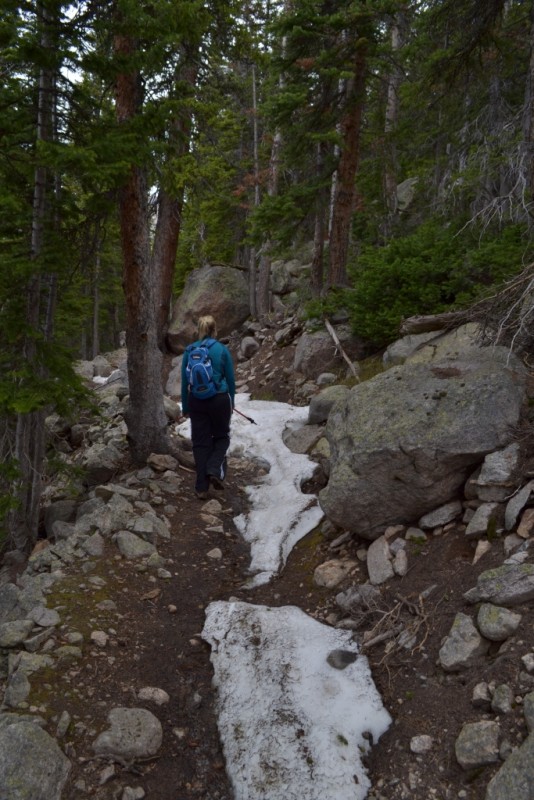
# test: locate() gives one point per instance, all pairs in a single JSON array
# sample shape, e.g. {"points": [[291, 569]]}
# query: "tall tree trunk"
{"points": [[95, 350], [264, 273], [30, 427], [345, 191], [319, 233], [145, 417], [256, 159], [170, 212], [392, 115], [528, 127]]}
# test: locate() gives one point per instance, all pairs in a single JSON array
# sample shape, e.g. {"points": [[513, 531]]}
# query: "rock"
{"points": [[379, 562], [63, 510], [421, 744], [61, 531], [526, 526], [482, 520], [358, 597], [481, 697], [516, 504], [386, 436], [17, 690], [400, 563], [12, 634], [219, 291], [161, 462], [173, 387], [399, 351], [502, 699], [441, 516], [215, 554], [515, 778], [460, 343], [100, 463], [326, 379], [173, 410], [153, 695], [340, 659], [332, 573], [483, 547], [316, 352], [496, 623], [132, 546], [44, 617], [463, 646], [508, 585], [498, 473], [321, 404], [528, 710], [133, 733], [249, 347], [32, 766], [478, 744], [101, 367], [301, 440], [93, 545]]}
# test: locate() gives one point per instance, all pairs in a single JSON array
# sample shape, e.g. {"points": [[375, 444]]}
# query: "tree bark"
{"points": [[528, 125], [392, 116], [145, 417], [319, 231], [170, 207], [30, 428], [345, 192]]}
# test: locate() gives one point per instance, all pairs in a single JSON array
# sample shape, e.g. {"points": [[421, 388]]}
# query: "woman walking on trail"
{"points": [[210, 414]]}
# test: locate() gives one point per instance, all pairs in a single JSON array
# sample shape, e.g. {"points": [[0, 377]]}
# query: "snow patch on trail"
{"points": [[292, 725], [280, 513]]}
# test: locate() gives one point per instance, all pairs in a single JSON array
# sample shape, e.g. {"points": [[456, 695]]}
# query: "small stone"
{"points": [[215, 554], [483, 547], [502, 700], [477, 744], [154, 695], [333, 572], [528, 662], [481, 697], [526, 526], [421, 744], [100, 638], [415, 535], [340, 659], [172, 609]]}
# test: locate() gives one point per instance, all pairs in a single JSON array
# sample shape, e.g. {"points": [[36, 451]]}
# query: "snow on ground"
{"points": [[280, 513], [295, 699]]}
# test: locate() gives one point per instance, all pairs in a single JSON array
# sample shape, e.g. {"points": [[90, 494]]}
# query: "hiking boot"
{"points": [[202, 495], [217, 483]]}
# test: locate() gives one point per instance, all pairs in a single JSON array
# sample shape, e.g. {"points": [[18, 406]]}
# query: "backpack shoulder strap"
{"points": [[208, 342]]}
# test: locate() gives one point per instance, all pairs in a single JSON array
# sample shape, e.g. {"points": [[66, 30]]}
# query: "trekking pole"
{"points": [[245, 417]]}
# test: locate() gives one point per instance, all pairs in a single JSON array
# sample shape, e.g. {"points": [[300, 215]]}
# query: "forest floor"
{"points": [[157, 643]]}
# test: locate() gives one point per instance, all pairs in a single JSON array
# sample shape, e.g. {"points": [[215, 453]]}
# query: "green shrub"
{"points": [[432, 270]]}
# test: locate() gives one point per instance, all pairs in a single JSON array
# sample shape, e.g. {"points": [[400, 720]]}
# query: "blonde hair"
{"points": [[207, 327]]}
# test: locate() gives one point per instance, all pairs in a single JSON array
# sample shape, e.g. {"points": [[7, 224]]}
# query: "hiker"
{"points": [[210, 414]]}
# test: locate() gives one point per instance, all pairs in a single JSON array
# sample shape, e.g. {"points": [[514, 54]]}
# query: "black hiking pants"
{"points": [[210, 435]]}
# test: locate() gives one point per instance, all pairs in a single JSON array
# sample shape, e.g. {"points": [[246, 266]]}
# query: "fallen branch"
{"points": [[433, 322], [335, 337]]}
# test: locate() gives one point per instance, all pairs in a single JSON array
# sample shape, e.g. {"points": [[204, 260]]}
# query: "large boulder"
{"points": [[317, 352], [403, 443], [219, 291]]}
